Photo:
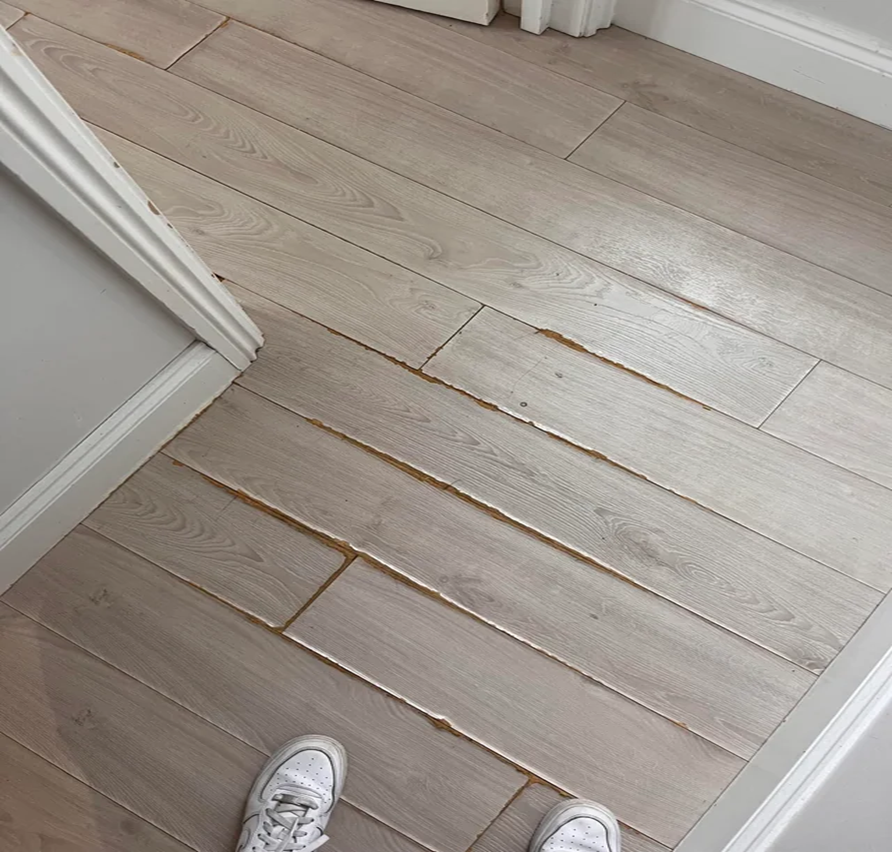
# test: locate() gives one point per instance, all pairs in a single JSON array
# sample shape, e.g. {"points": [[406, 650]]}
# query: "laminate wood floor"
{"points": [[565, 467]]}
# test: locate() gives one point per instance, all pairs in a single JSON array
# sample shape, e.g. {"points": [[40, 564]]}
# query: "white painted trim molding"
{"points": [[806, 54], [574, 17], [107, 456], [45, 145], [802, 753]]}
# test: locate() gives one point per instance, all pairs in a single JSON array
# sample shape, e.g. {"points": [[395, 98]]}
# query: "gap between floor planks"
{"points": [[431, 202], [368, 78], [20, 600], [784, 680]]}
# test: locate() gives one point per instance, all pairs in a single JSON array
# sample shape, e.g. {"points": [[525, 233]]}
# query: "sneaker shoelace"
{"points": [[282, 821]]}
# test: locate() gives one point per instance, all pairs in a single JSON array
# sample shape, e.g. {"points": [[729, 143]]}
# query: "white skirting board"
{"points": [[805, 751], [108, 455], [802, 53], [574, 17]]}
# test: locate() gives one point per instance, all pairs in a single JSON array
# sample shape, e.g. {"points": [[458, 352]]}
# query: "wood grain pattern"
{"points": [[301, 267], [728, 689], [657, 776], [788, 495], [175, 518], [785, 127], [701, 355], [707, 263], [512, 831], [157, 31], [261, 688], [351, 830], [617, 519], [530, 103], [9, 15], [780, 206], [116, 735], [44, 810], [840, 417]]}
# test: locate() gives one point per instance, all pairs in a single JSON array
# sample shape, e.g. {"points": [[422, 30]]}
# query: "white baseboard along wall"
{"points": [[86, 475], [846, 68]]}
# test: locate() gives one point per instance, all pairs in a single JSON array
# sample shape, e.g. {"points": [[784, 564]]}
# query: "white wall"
{"points": [[77, 339], [872, 18], [849, 810]]}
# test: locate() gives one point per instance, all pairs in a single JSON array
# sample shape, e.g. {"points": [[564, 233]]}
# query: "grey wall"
{"points": [[77, 339]]}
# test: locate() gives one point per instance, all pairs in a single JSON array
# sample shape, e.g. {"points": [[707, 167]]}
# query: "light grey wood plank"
{"points": [[263, 689], [729, 690], [512, 830], [657, 776], [45, 809], [351, 830], [783, 126], [839, 417], [788, 495], [709, 264], [699, 354], [717, 568], [780, 206], [301, 267], [156, 31], [530, 103], [131, 744], [175, 518], [9, 15]]}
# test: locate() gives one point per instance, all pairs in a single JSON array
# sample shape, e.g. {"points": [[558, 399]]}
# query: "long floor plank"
{"points": [[351, 830], [109, 731], [9, 15], [175, 518], [728, 690], [512, 831], [158, 31], [783, 126], [706, 263], [304, 268], [756, 587], [259, 688], [839, 417], [656, 775], [788, 495], [802, 215], [46, 809], [699, 354], [526, 101]]}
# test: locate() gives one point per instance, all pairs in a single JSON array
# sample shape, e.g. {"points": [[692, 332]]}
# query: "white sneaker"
{"points": [[292, 799], [577, 826]]}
